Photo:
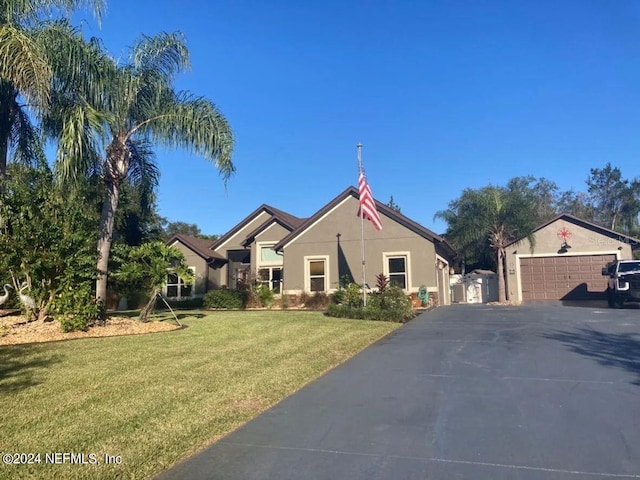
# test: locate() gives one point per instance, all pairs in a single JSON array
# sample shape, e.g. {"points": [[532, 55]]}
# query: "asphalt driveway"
{"points": [[462, 392]]}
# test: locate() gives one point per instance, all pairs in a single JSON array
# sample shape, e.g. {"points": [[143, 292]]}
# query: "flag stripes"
{"points": [[367, 204]]}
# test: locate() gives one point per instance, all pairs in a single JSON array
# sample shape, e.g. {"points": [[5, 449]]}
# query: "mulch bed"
{"points": [[14, 329]]}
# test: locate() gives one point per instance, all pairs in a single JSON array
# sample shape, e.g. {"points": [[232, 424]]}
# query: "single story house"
{"points": [[566, 261], [293, 255]]}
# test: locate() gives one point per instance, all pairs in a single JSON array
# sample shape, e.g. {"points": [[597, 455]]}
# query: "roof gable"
{"points": [[272, 220], [634, 242], [382, 210], [200, 246], [284, 218]]}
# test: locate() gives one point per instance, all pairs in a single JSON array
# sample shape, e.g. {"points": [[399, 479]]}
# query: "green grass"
{"points": [[155, 399]]}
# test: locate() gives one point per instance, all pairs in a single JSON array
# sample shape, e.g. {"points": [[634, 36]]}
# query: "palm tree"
{"points": [[491, 215], [25, 72], [121, 110]]}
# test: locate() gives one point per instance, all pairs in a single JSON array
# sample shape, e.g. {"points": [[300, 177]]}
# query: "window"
{"points": [[269, 267], [271, 277], [396, 269], [269, 255], [316, 274], [176, 288]]}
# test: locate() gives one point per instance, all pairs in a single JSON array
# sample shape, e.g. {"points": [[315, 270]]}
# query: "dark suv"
{"points": [[623, 284]]}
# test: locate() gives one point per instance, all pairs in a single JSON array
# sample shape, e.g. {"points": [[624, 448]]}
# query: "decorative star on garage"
{"points": [[564, 234]]}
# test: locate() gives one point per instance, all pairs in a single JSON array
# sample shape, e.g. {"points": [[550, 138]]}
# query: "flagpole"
{"points": [[364, 288]]}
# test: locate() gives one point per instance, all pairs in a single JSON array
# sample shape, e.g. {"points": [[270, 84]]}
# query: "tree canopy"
{"points": [[112, 131], [191, 229], [490, 218]]}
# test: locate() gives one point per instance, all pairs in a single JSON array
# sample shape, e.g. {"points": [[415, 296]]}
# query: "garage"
{"points": [[565, 261], [576, 277]]}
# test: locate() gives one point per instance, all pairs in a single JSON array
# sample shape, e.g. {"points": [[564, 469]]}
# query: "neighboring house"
{"points": [[566, 261], [293, 255]]}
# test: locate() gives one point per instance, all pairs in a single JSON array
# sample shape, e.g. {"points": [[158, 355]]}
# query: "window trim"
{"points": [[407, 258], [269, 281], [307, 272]]}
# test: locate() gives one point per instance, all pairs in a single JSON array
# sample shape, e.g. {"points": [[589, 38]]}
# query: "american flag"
{"points": [[367, 204]]}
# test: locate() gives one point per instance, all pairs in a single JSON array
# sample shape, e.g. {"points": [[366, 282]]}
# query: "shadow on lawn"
{"points": [[19, 369], [620, 350]]}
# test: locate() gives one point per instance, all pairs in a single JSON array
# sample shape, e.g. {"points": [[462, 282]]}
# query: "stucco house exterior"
{"points": [[293, 255], [566, 261]]}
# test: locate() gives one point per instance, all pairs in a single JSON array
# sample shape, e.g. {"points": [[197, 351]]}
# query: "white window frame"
{"points": [[165, 288], [269, 265], [269, 281], [407, 266], [307, 272]]}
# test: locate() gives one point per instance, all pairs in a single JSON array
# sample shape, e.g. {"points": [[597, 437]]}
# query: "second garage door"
{"points": [[564, 277]]}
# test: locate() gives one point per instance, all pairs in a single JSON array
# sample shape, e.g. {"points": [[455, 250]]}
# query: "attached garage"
{"points": [[577, 277], [566, 261]]}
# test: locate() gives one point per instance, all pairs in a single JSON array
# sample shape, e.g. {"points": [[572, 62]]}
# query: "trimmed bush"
{"points": [[393, 305], [225, 298], [188, 304]]}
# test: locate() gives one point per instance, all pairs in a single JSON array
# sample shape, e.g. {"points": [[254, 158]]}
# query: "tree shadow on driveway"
{"points": [[619, 350]]}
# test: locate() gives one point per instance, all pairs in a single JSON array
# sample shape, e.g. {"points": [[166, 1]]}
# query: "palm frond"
{"points": [[20, 12], [23, 63], [142, 163], [164, 53], [144, 173], [196, 125], [79, 68], [26, 141], [80, 139]]}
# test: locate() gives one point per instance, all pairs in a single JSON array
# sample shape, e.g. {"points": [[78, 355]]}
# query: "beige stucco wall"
{"points": [[583, 241], [196, 261], [235, 243], [322, 239]]}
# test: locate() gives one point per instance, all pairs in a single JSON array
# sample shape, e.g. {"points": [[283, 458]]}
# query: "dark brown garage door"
{"points": [[564, 278]]}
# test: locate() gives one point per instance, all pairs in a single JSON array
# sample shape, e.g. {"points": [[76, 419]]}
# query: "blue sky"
{"points": [[443, 94]]}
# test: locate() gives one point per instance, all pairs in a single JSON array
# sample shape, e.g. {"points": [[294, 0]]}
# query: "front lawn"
{"points": [[155, 399]]}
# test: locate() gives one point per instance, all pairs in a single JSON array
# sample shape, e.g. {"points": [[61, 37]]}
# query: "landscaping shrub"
{"points": [[318, 301], [353, 295], [73, 323], [338, 296], [265, 295], [188, 304], [225, 298], [302, 299], [284, 302], [75, 308], [382, 282], [392, 305]]}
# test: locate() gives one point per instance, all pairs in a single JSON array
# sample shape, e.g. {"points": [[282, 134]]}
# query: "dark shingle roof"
{"points": [[284, 218], [201, 246]]}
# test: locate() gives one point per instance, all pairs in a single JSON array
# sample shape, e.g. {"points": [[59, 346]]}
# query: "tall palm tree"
{"points": [[107, 118], [491, 215], [25, 72]]}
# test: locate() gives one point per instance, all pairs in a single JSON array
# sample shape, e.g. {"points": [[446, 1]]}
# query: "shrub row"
{"points": [[263, 297], [390, 305], [225, 298], [367, 313]]}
